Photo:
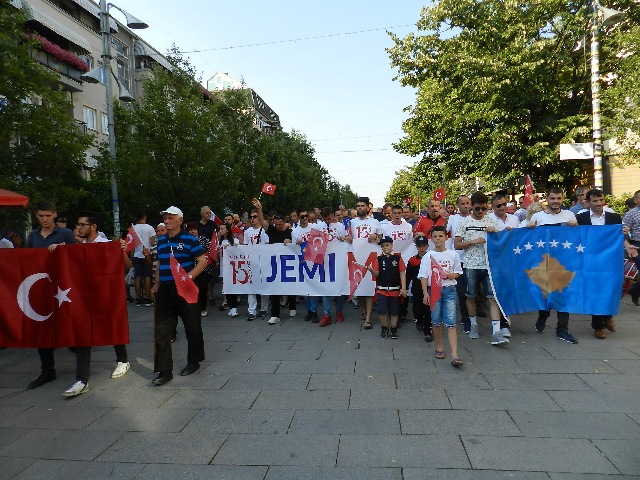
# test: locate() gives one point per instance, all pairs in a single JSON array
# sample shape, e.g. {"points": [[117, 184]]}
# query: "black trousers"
{"points": [[563, 319], [599, 322], [421, 312], [83, 359], [202, 282], [461, 289], [168, 307], [634, 291], [275, 304]]}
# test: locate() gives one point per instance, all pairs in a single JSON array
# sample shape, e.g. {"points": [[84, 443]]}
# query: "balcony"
{"points": [[69, 76]]}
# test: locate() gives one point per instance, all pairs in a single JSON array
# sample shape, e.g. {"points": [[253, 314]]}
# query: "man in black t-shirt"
{"points": [[277, 233]]}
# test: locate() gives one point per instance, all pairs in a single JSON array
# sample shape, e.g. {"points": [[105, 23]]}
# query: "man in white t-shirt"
{"points": [[505, 220], [256, 235], [471, 236], [365, 228], [464, 208], [142, 268], [554, 215], [335, 233]]}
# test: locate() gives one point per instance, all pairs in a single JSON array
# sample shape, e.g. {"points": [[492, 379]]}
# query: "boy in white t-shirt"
{"points": [[444, 311]]}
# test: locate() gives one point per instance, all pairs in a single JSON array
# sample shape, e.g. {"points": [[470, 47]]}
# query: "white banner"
{"points": [[281, 270]]}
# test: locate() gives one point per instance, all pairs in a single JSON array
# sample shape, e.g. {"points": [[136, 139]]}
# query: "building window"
{"points": [[88, 59], [122, 59], [89, 115], [105, 123]]}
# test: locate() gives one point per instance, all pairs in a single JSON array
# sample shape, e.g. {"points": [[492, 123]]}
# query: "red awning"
{"points": [[12, 199]]}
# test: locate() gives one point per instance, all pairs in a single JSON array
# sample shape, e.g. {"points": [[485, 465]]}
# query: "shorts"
{"points": [[474, 277], [387, 304], [141, 267], [444, 311]]}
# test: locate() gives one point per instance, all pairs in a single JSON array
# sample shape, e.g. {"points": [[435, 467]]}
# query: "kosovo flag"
{"points": [[568, 269]]}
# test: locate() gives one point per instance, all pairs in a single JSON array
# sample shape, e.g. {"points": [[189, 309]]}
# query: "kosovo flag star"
{"points": [[568, 269]]}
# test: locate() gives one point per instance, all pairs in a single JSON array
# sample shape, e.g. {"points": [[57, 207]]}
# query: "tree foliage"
{"points": [[178, 147], [42, 149], [499, 87]]}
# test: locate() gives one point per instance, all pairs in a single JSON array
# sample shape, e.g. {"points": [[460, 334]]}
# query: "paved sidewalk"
{"points": [[297, 401]]}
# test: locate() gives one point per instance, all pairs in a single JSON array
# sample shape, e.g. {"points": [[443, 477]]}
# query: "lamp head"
{"points": [[124, 94], [610, 16], [93, 76]]}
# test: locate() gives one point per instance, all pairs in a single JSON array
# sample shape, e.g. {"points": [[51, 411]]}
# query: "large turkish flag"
{"points": [[73, 296]]}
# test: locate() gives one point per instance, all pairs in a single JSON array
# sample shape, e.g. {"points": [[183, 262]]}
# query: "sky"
{"points": [[337, 90]]}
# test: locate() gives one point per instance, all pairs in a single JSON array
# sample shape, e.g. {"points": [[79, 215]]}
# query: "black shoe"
{"points": [[419, 326], [635, 300], [45, 376], [403, 319], [540, 325], [428, 335], [251, 317], [394, 333], [384, 332], [308, 316], [162, 378], [466, 326], [314, 317], [189, 369], [263, 313]]}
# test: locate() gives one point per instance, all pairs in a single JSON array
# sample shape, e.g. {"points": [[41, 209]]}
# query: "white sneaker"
{"points": [[76, 389], [233, 312], [273, 320], [204, 313], [505, 332], [292, 313], [121, 369]]}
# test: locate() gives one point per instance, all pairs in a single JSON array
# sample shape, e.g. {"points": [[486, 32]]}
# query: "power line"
{"points": [[348, 138], [294, 39], [356, 151]]}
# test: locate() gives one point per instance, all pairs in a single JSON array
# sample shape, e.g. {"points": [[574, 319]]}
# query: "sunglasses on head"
{"points": [[480, 209]]}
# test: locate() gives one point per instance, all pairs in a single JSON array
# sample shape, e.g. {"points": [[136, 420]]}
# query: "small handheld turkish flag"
{"points": [[268, 188], [184, 284], [316, 247], [439, 194], [437, 274], [408, 201], [528, 193], [133, 240]]}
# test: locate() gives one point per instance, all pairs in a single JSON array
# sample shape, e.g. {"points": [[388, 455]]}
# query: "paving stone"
{"points": [[124, 397], [208, 399], [302, 399], [352, 422], [630, 367], [65, 469], [144, 420], [13, 466], [443, 451], [413, 381], [622, 453], [612, 381], [403, 399], [566, 366], [316, 450], [560, 352], [232, 367], [464, 399], [258, 381], [586, 476], [229, 420], [11, 434], [317, 366], [457, 422], [286, 355], [340, 381], [477, 366], [333, 473], [576, 425], [625, 401], [162, 447], [536, 381], [536, 454], [456, 474], [203, 472], [75, 418], [375, 366], [60, 444]]}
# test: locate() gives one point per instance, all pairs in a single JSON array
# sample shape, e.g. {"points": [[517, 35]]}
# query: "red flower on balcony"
{"points": [[60, 53]]}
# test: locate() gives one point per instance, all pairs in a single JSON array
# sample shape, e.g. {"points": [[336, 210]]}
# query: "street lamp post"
{"points": [[105, 72], [609, 17]]}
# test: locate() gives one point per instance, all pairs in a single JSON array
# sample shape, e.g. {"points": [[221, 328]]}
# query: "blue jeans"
{"points": [[326, 304], [312, 304], [474, 276], [444, 311]]}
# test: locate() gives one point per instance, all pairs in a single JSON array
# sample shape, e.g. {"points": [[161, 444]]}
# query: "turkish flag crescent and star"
{"points": [[316, 247], [268, 188], [437, 274], [184, 284], [356, 274], [528, 193], [73, 296], [133, 240], [439, 194]]}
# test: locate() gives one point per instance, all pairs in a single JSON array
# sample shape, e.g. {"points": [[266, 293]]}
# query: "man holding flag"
{"points": [[173, 292]]}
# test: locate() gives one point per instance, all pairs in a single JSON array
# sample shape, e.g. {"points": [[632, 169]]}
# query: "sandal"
{"points": [[367, 326], [440, 354], [456, 362]]}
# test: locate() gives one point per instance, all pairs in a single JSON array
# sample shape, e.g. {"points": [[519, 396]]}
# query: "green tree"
{"points": [[498, 88], [42, 149]]}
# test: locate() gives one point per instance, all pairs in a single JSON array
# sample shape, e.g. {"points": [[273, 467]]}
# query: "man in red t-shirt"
{"points": [[426, 223]]}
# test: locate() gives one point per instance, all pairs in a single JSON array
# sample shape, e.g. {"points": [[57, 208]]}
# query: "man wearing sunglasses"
{"points": [[505, 220], [256, 235], [471, 236]]}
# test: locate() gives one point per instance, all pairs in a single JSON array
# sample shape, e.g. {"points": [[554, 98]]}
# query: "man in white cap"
{"points": [[169, 304]]}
